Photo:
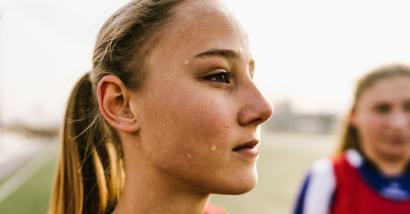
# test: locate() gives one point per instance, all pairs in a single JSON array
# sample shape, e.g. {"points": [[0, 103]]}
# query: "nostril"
{"points": [[257, 121]]}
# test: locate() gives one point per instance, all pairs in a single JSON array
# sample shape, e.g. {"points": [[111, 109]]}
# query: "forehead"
{"points": [[199, 25], [389, 89]]}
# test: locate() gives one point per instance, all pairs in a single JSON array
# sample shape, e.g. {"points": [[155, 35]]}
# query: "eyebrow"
{"points": [[226, 53]]}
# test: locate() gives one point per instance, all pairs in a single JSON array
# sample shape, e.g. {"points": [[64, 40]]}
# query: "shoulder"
{"points": [[320, 186], [321, 175], [353, 158], [317, 191], [347, 164], [316, 196], [322, 167], [321, 179]]}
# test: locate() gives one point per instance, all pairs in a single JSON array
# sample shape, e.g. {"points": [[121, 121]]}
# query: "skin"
{"points": [[382, 118], [198, 104]]}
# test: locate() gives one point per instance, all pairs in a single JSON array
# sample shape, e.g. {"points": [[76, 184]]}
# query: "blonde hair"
{"points": [[90, 171], [350, 137]]}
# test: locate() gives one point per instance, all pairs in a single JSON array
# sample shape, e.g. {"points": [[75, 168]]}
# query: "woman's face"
{"points": [[200, 110], [382, 118]]}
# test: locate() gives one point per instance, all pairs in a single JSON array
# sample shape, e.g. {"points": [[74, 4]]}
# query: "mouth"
{"points": [[397, 141], [249, 148]]}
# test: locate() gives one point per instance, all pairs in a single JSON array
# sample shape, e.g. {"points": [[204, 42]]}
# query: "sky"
{"points": [[308, 52]]}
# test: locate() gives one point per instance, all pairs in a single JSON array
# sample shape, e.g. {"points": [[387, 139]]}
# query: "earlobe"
{"points": [[113, 103]]}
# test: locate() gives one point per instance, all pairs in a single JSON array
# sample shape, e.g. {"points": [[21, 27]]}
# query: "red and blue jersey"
{"points": [[212, 209], [351, 184]]}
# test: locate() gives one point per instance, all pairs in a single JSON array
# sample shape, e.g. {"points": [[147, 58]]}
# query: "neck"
{"points": [[148, 190], [392, 168], [389, 167]]}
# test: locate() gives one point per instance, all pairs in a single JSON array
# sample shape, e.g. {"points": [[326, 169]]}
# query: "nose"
{"points": [[399, 120], [255, 108]]}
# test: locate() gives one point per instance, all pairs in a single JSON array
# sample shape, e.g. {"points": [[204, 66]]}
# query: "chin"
{"points": [[235, 185], [242, 189], [396, 155]]}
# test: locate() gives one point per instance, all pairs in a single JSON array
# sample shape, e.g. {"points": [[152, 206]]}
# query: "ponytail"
{"points": [[89, 175]]}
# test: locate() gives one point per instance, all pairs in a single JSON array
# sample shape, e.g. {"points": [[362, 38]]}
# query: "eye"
{"points": [[406, 106], [221, 77], [382, 108]]}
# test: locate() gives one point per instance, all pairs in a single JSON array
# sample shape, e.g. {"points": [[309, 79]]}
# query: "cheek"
{"points": [[200, 121], [370, 123], [370, 129], [185, 124], [189, 134], [373, 130]]}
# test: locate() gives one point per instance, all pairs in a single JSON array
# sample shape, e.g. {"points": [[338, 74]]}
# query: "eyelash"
{"points": [[382, 108], [385, 108], [223, 77], [407, 106]]}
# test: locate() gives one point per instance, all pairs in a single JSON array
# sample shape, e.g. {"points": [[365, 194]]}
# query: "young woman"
{"points": [[371, 172], [167, 115]]}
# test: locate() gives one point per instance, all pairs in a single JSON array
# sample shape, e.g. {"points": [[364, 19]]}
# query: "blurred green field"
{"points": [[284, 160], [32, 197]]}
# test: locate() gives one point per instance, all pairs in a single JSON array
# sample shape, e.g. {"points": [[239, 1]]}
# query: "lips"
{"points": [[397, 140], [248, 150], [245, 146]]}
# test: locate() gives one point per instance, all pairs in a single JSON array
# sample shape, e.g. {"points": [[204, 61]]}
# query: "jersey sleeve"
{"points": [[317, 191]]}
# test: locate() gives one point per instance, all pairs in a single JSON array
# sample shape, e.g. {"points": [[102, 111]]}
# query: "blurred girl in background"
{"points": [[370, 172], [167, 115]]}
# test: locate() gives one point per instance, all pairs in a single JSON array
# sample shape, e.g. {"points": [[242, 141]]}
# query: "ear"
{"points": [[113, 103]]}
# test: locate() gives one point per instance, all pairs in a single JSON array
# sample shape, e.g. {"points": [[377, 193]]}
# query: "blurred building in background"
{"points": [[285, 119]]}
